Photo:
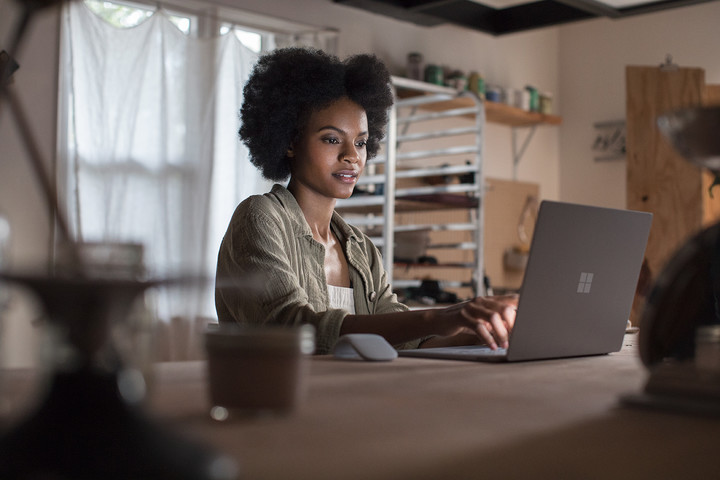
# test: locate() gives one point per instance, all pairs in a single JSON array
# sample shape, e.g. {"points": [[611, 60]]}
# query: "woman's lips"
{"points": [[347, 176]]}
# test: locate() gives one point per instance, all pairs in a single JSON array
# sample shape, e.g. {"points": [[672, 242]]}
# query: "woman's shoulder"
{"points": [[257, 205], [272, 209]]}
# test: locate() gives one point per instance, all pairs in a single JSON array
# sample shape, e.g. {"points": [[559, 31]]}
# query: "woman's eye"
{"points": [[332, 140], [361, 144]]}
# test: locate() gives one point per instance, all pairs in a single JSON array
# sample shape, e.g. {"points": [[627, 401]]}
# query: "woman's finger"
{"points": [[488, 325], [485, 307]]}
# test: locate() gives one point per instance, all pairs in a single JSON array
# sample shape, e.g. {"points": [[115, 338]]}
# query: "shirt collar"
{"points": [[288, 201]]}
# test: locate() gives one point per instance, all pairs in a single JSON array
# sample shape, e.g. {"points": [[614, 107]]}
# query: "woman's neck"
{"points": [[317, 210]]}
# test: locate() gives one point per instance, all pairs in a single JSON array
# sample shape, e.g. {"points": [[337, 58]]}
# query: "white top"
{"points": [[341, 297]]}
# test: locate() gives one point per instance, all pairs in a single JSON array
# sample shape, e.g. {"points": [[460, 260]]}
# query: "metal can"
{"points": [[476, 84], [546, 103], [494, 94], [534, 99], [434, 74]]}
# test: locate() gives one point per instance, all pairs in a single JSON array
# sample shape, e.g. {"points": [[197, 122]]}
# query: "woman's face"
{"points": [[330, 153]]}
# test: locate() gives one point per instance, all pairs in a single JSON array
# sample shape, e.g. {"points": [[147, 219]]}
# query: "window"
{"points": [[125, 15]]}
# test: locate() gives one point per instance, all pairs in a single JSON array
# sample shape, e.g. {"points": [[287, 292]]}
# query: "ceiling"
{"points": [[498, 17]]}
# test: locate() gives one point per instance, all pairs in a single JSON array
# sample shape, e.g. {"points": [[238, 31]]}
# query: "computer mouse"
{"points": [[364, 346]]}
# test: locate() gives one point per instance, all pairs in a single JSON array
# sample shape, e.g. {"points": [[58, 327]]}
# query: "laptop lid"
{"points": [[580, 281], [578, 287]]}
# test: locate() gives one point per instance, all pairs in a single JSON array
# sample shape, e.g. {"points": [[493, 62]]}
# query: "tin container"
{"points": [[476, 84], [546, 103], [494, 94], [534, 99], [434, 74]]}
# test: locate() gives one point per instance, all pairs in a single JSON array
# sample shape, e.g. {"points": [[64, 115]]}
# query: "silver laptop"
{"points": [[578, 288]]}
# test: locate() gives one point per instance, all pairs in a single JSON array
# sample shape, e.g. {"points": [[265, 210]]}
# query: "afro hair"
{"points": [[288, 84]]}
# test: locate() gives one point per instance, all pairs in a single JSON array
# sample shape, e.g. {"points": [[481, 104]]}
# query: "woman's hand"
{"points": [[489, 319]]}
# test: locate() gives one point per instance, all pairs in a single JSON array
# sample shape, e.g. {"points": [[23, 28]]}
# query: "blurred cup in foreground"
{"points": [[256, 370]]}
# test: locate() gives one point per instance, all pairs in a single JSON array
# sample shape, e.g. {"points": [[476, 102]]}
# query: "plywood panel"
{"points": [[658, 179], [712, 95], [504, 204]]}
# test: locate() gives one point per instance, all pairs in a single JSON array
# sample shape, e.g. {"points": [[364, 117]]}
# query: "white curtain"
{"points": [[151, 142], [148, 135]]}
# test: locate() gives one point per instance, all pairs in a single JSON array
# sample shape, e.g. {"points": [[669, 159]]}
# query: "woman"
{"points": [[308, 116]]}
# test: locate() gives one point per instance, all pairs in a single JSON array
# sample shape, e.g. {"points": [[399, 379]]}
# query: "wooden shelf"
{"points": [[495, 112], [516, 117]]}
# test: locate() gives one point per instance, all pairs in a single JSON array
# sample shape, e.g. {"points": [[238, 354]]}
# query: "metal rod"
{"points": [[457, 112], [436, 134], [465, 149], [389, 207]]}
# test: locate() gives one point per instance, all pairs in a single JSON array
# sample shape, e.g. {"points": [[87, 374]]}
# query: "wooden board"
{"points": [[659, 180], [495, 112], [504, 204], [712, 95]]}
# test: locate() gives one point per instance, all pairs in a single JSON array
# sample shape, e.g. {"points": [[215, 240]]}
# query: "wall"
{"points": [[593, 55]]}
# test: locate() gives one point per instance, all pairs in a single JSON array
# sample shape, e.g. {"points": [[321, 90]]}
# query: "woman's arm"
{"points": [[489, 319]]}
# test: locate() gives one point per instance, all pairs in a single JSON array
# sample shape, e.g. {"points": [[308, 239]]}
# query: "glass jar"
{"points": [[415, 66]]}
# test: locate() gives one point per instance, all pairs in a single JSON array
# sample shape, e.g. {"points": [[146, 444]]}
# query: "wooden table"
{"points": [[430, 419]]}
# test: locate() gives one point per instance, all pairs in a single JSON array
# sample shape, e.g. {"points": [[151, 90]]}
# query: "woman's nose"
{"points": [[351, 155]]}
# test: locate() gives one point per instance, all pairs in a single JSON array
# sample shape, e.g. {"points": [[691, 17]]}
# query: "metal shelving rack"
{"points": [[417, 103]]}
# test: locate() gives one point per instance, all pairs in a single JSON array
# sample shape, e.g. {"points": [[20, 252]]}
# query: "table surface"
{"points": [[427, 419]]}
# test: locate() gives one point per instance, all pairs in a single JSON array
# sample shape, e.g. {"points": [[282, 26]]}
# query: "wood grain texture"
{"points": [[658, 179]]}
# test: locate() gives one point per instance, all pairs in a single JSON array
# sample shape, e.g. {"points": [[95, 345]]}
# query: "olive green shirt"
{"points": [[269, 242]]}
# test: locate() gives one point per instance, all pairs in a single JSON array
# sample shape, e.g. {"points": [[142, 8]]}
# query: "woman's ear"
{"points": [[290, 151]]}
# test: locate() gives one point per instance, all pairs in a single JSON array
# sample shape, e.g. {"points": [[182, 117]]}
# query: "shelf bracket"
{"points": [[517, 153]]}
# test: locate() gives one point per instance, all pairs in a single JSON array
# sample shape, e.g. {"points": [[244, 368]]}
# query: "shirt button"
{"points": [[372, 296]]}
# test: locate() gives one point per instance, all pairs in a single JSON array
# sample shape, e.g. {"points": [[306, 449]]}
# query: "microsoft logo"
{"points": [[585, 282]]}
